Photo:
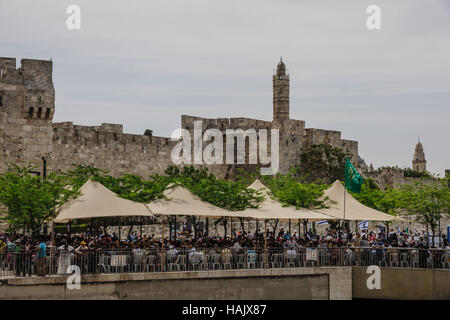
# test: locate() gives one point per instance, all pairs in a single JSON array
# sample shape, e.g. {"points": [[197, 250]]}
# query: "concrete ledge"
{"points": [[403, 284], [281, 283], [140, 276]]}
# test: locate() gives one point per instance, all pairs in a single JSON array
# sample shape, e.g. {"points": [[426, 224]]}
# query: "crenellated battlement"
{"points": [[106, 135], [32, 73], [27, 92], [187, 122], [27, 131]]}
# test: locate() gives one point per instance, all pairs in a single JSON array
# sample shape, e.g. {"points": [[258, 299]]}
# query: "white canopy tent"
{"points": [[354, 210], [273, 209], [97, 201], [180, 201]]}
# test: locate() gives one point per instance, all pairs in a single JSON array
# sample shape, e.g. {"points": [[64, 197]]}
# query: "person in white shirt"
{"points": [[64, 257]]}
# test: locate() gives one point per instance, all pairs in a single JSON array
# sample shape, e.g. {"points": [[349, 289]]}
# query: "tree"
{"points": [[428, 201], [388, 200], [128, 186], [230, 195], [30, 201], [290, 190], [410, 173], [322, 162]]}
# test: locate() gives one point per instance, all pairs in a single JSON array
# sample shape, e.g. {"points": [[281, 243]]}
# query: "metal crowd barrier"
{"points": [[25, 264]]}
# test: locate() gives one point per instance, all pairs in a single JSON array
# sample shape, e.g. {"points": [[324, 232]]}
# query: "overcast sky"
{"points": [[145, 63]]}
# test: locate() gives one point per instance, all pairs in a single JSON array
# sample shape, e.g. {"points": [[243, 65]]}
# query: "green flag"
{"points": [[353, 179]]}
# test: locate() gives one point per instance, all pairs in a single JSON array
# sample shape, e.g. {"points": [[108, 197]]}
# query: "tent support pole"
{"points": [[265, 245], [120, 227], [386, 233], [231, 227], [343, 222], [163, 260], [175, 229], [52, 250]]}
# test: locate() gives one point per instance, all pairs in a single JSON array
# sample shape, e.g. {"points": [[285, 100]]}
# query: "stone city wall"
{"points": [[107, 147], [27, 132]]}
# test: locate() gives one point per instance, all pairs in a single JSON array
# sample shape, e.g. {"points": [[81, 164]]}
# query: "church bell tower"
{"points": [[419, 163]]}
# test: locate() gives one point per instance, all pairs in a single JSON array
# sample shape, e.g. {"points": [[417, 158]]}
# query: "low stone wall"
{"points": [[404, 283], [258, 284]]}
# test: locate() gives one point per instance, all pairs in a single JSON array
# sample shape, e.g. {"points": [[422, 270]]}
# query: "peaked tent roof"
{"points": [[354, 210], [183, 202], [273, 209], [98, 201]]}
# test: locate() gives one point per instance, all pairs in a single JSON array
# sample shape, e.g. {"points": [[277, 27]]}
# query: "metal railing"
{"points": [[25, 264]]}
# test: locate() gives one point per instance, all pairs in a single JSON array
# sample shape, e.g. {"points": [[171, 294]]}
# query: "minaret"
{"points": [[419, 163], [281, 93]]}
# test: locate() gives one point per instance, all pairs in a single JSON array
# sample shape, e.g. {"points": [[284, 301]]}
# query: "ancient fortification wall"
{"points": [[27, 105], [27, 131], [107, 147]]}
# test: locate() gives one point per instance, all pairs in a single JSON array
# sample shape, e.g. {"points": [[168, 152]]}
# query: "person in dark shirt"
{"points": [[423, 255], [365, 252]]}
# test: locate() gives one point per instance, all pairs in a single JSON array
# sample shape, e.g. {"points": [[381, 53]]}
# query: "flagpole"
{"points": [[353, 180], [345, 183], [345, 191]]}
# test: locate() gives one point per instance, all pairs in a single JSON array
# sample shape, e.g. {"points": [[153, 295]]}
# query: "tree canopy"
{"points": [[31, 201], [322, 162]]}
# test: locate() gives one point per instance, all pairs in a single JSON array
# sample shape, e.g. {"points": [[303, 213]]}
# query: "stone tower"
{"points": [[419, 163], [27, 105], [281, 93]]}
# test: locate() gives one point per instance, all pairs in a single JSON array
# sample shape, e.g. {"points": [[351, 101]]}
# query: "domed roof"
{"points": [[281, 68], [419, 146], [419, 155]]}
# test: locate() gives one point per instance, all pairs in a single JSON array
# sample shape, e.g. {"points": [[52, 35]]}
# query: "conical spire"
{"points": [[419, 163]]}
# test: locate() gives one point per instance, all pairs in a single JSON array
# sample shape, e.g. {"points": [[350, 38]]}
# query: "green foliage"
{"points": [[429, 201], [410, 173], [323, 162], [388, 201], [74, 228], [30, 201], [230, 195], [128, 186], [289, 190]]}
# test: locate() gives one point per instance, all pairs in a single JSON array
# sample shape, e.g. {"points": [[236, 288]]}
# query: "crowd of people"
{"points": [[36, 249]]}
